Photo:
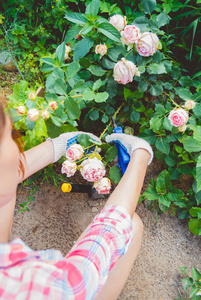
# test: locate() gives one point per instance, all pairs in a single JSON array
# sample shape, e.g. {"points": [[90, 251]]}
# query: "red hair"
{"points": [[16, 137]]}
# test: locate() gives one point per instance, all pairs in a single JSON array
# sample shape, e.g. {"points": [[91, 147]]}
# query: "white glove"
{"points": [[64, 140], [130, 143]]}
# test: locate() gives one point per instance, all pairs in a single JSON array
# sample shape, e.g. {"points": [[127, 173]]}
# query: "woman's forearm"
{"points": [[127, 192], [38, 158]]}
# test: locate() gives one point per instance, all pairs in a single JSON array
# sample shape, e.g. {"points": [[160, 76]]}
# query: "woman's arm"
{"points": [[37, 158]]}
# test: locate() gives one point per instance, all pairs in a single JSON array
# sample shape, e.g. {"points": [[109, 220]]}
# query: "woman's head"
{"points": [[9, 160]]}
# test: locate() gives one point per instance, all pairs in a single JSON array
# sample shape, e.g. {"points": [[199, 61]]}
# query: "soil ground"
{"points": [[56, 220]]}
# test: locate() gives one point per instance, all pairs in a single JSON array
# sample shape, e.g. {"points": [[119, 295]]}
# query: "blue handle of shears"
{"points": [[123, 156]]}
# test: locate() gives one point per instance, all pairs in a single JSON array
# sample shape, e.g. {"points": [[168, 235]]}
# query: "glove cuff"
{"points": [[58, 146]]}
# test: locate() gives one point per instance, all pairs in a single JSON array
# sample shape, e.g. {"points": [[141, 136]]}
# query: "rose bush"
{"points": [[90, 88]]}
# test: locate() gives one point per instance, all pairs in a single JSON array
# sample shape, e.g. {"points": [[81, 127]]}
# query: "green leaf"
{"points": [[162, 19], [82, 48], [72, 69], [195, 274], [96, 70], [83, 140], [164, 200], [142, 23], [72, 108], [115, 174], [184, 93], [143, 86], [104, 119], [56, 121], [60, 52], [148, 6], [88, 95], [97, 84], [187, 282], [151, 194], [72, 32], [41, 128], [107, 63], [155, 123], [166, 124], [111, 154], [195, 226], [193, 292], [87, 28], [135, 116], [156, 90], [162, 145], [109, 31], [94, 115], [198, 173], [183, 270], [93, 7], [197, 110], [75, 17], [156, 69], [101, 97], [29, 124], [60, 86], [175, 194], [195, 211], [160, 110], [163, 181], [53, 131], [176, 73], [190, 144]]}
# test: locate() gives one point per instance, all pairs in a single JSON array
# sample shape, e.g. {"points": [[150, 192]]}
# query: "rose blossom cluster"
{"points": [[91, 169], [179, 117], [33, 114]]}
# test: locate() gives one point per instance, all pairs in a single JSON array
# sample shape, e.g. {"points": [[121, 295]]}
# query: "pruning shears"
{"points": [[123, 156]]}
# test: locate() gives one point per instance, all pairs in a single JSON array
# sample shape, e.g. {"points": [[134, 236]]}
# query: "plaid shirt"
{"points": [[47, 274]]}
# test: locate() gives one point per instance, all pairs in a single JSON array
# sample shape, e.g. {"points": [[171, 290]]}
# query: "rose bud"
{"points": [[118, 22], [148, 44], [130, 35], [32, 96], [69, 168], [21, 110], [124, 71], [128, 130], [103, 186], [190, 104], [101, 49], [45, 114], [33, 114], [178, 117], [53, 105], [92, 169], [74, 152], [182, 128], [67, 51], [78, 37]]}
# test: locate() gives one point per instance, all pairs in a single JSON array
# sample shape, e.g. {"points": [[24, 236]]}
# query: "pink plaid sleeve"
{"points": [[41, 275]]}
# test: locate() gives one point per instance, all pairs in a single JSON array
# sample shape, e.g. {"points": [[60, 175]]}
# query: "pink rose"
{"points": [[32, 96], [178, 117], [21, 110], [124, 71], [190, 104], [103, 186], [101, 49], [92, 169], [53, 105], [69, 168], [148, 44], [130, 35], [45, 114], [33, 114], [74, 152], [118, 22]]}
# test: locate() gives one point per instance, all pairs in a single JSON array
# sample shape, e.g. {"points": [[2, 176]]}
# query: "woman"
{"points": [[100, 262]]}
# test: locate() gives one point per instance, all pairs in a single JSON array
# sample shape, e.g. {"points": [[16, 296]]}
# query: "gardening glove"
{"points": [[130, 143], [64, 140]]}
